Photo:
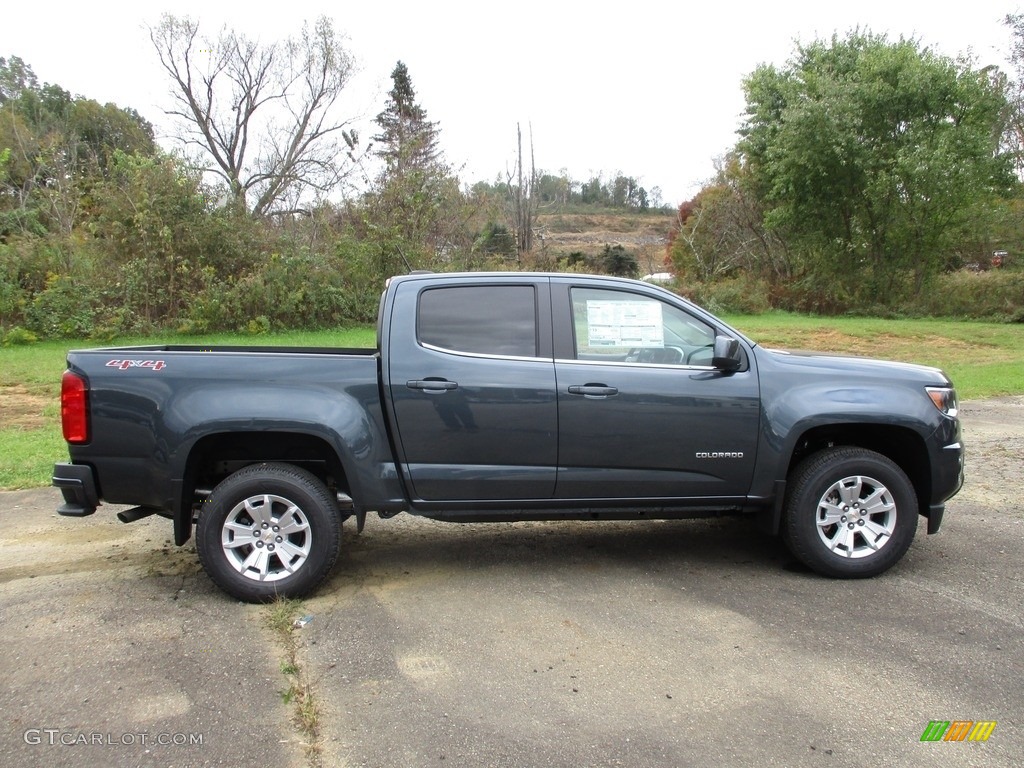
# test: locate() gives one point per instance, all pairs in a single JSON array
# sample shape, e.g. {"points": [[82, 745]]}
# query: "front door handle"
{"points": [[432, 386], [593, 390]]}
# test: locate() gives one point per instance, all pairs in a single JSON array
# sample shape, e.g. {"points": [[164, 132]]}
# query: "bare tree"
{"points": [[260, 114], [1012, 86], [521, 197]]}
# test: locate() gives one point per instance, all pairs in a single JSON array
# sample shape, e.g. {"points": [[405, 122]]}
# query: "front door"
{"points": [[642, 414]]}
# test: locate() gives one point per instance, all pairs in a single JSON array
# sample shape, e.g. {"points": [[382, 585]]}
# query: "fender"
{"points": [[804, 395], [340, 418]]}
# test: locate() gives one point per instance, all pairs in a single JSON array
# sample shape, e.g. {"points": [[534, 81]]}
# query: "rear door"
{"points": [[641, 412], [472, 389]]}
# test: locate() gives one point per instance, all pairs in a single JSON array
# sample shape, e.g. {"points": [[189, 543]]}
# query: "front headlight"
{"points": [[944, 399]]}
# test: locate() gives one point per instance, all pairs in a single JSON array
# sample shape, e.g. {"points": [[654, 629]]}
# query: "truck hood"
{"points": [[857, 366]]}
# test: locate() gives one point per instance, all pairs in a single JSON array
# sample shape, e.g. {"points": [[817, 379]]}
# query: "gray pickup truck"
{"points": [[508, 396]]}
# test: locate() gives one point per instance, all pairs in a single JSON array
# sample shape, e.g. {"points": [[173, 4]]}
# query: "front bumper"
{"points": [[78, 485], [948, 479]]}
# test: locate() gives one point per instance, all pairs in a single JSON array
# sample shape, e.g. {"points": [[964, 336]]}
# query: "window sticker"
{"points": [[624, 323]]}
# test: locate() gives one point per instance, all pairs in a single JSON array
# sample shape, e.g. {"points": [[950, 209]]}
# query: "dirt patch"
{"points": [[831, 340], [59, 546], [20, 409], [589, 233]]}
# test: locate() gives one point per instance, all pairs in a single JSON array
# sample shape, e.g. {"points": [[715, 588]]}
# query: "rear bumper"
{"points": [[78, 485]]}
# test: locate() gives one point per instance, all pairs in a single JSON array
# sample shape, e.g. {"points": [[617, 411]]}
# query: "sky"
{"points": [[650, 89]]}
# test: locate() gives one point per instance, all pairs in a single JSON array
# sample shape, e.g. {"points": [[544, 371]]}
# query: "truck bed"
{"points": [[233, 349]]}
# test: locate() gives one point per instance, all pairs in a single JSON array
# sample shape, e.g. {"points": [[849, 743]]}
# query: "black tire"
{"points": [[268, 531], [850, 513]]}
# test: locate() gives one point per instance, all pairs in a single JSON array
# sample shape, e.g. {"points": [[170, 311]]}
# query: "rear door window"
{"points": [[481, 320]]}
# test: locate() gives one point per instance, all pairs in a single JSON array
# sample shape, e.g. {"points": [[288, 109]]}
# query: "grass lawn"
{"points": [[983, 359], [30, 436]]}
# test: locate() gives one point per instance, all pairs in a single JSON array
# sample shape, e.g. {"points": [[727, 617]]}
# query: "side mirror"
{"points": [[727, 355]]}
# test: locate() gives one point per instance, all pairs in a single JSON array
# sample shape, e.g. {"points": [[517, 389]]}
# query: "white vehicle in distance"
{"points": [[659, 277]]}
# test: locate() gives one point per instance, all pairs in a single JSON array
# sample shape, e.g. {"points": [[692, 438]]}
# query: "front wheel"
{"points": [[268, 531], [850, 513]]}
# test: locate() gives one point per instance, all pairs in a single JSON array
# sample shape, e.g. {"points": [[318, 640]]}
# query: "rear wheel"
{"points": [[267, 531], [850, 513]]}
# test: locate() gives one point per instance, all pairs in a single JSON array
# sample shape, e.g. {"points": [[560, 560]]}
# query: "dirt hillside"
{"points": [[645, 235]]}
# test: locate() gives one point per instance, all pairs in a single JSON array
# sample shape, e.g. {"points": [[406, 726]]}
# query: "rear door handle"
{"points": [[593, 390], [432, 385]]}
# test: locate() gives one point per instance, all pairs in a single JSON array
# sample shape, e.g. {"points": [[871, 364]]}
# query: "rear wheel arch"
{"points": [[214, 457]]}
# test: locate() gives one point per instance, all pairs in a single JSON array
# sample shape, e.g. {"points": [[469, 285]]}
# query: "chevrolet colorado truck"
{"points": [[508, 396]]}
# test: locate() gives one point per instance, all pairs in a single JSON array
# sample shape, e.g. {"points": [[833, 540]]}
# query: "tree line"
{"points": [[866, 176], [271, 212], [615, 191]]}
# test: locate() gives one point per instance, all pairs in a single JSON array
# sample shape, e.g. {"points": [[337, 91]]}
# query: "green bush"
{"points": [[997, 294], [303, 290], [616, 260], [258, 326], [495, 240], [735, 295], [64, 310], [27, 263], [19, 337], [12, 300]]}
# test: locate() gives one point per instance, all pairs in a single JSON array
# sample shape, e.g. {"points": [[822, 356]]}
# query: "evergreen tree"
{"points": [[408, 140], [415, 206]]}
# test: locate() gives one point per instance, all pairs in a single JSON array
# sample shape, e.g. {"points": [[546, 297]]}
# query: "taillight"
{"points": [[74, 408]]}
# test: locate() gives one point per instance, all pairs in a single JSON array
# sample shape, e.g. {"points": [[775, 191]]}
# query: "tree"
{"points": [[722, 230], [149, 218], [104, 129], [626, 192], [594, 191], [616, 260], [495, 240], [260, 115], [872, 155], [407, 140], [57, 147], [702, 247], [1013, 130], [554, 189], [522, 196], [16, 77], [414, 211]]}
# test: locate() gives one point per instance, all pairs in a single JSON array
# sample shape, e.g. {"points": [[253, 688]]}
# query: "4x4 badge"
{"points": [[124, 365]]}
